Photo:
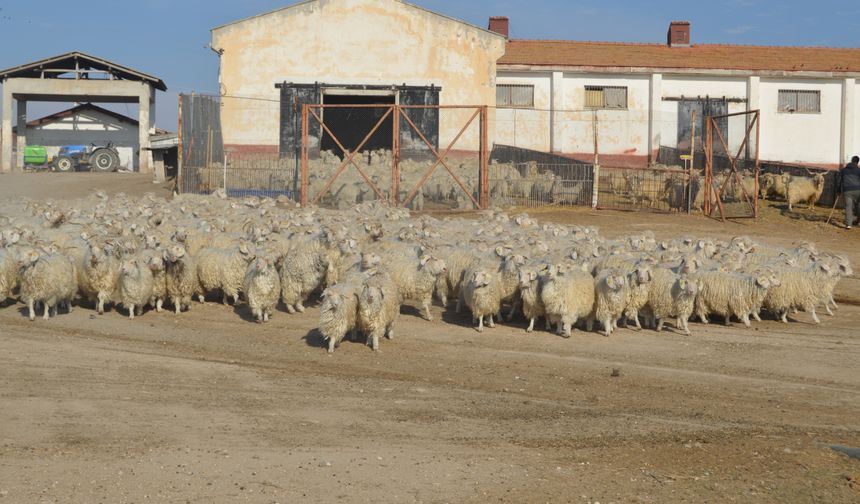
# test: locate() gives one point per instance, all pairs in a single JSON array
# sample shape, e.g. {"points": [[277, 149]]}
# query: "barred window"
{"points": [[605, 97], [515, 95], [802, 102]]}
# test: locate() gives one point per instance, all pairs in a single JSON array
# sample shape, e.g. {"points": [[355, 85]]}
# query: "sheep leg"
{"points": [[783, 316], [300, 307], [565, 329], [235, 298], [756, 316], [660, 325], [459, 306], [55, 310], [703, 317], [265, 315], [745, 318], [177, 306], [426, 306], [827, 307], [607, 327], [290, 309], [224, 300], [491, 324], [814, 315], [131, 312], [100, 305], [589, 324], [531, 326], [685, 326], [201, 298], [32, 311], [389, 331], [158, 305], [47, 313], [480, 323], [514, 307], [727, 320], [332, 344], [374, 341], [832, 302], [139, 310], [548, 324]]}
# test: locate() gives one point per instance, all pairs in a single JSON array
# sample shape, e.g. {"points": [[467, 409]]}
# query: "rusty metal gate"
{"points": [[317, 181], [732, 187]]}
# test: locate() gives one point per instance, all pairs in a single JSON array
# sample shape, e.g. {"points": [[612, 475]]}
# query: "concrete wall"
{"points": [[527, 128], [373, 42], [85, 128], [620, 132], [810, 138], [854, 149]]}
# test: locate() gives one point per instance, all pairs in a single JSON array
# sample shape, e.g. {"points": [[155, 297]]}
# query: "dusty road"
{"points": [[208, 407]]}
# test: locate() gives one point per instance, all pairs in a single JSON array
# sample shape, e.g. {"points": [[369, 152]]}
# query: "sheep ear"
{"points": [[532, 276], [424, 259], [762, 281], [611, 282]]}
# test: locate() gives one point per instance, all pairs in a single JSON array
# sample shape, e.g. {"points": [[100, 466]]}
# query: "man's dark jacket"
{"points": [[849, 178]]}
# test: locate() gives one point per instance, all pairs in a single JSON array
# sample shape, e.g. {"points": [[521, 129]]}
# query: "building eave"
{"points": [[721, 72]]}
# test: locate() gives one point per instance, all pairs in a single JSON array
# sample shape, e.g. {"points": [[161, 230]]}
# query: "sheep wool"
{"points": [[262, 287], [568, 297], [47, 279], [135, 285]]}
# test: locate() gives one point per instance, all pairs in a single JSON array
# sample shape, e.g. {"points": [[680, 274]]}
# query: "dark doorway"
{"points": [[351, 124], [704, 107]]}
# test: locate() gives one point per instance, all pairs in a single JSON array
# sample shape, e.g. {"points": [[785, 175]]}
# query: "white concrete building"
{"points": [[545, 94], [86, 124], [643, 94]]}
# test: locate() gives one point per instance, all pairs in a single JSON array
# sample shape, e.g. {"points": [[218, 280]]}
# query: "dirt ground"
{"points": [[208, 407]]}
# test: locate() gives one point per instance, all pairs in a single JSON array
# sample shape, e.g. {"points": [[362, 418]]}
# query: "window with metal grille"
{"points": [[793, 101], [515, 95], [605, 97]]}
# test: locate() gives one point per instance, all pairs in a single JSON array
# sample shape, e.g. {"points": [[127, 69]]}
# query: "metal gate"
{"points": [[403, 126], [732, 189]]}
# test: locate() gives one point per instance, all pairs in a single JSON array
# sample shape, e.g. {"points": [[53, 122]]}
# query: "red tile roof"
{"points": [[700, 56]]}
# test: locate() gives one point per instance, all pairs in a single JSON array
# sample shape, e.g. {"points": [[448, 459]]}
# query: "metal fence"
{"points": [[534, 184], [656, 189]]}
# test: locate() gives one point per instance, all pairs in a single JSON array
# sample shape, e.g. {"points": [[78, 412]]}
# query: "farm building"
{"points": [[544, 93], [75, 77], [87, 124]]}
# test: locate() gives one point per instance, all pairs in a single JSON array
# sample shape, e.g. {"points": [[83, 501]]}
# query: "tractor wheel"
{"points": [[104, 160], [64, 164]]}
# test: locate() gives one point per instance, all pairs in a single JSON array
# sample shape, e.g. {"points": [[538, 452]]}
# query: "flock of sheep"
{"points": [[364, 263]]}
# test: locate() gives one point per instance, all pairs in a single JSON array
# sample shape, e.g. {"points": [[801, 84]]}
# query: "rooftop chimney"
{"points": [[500, 25], [679, 34]]}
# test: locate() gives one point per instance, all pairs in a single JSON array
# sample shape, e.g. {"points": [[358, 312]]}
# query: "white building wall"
{"points": [[85, 128], [526, 128], [619, 131], [855, 148], [809, 138]]}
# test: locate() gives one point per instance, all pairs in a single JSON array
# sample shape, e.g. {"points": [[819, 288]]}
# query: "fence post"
{"points": [[225, 173], [179, 175], [303, 197], [484, 178], [692, 162], [595, 183], [395, 155]]}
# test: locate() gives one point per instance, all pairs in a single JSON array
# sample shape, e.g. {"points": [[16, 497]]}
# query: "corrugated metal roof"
{"points": [[701, 56]]}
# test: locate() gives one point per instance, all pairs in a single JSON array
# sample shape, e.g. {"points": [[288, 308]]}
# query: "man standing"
{"points": [[849, 185]]}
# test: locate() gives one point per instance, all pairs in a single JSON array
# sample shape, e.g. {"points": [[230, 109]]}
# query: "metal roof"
{"points": [[68, 60]]}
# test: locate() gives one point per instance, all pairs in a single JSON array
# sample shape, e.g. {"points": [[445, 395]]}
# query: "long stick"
{"points": [[835, 202]]}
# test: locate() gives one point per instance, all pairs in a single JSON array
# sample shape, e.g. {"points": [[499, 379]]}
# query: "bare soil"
{"points": [[209, 407]]}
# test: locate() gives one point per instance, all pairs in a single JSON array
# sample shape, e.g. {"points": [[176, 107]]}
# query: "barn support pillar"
{"points": [[655, 92], [21, 114], [146, 114], [6, 163], [849, 98], [556, 141]]}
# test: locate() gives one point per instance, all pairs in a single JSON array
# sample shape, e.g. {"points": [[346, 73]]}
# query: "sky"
{"points": [[168, 38]]}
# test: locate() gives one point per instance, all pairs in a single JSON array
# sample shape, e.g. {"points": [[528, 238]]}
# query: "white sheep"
{"points": [[181, 277], [154, 260], [416, 278], [305, 267], [639, 282], [98, 275], [339, 312], [800, 289], [8, 274], [134, 285], [48, 279], [568, 296], [262, 287], [611, 294], [804, 189], [672, 295], [729, 294], [224, 269], [530, 289], [482, 293], [378, 308]]}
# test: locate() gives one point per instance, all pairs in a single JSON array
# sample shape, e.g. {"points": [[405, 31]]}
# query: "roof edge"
{"points": [[408, 4], [157, 82]]}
